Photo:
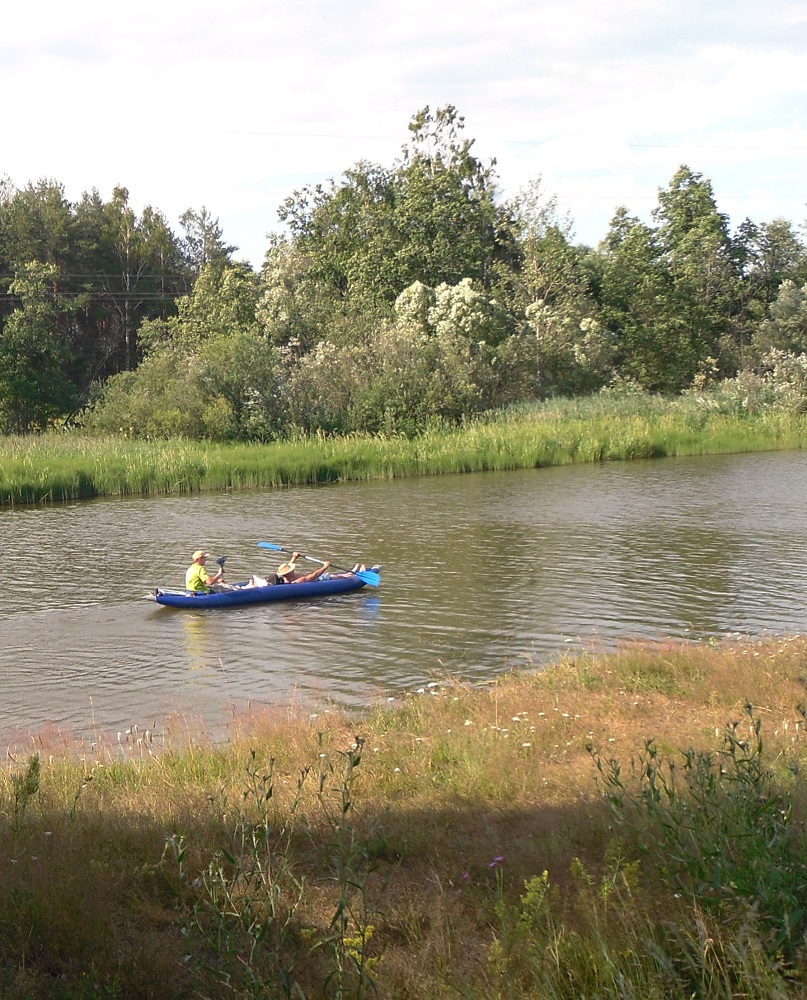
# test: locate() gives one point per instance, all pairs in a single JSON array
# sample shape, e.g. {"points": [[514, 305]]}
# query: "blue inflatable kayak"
{"points": [[242, 594]]}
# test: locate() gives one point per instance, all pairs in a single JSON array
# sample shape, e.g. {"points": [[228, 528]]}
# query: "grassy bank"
{"points": [[71, 466], [620, 826]]}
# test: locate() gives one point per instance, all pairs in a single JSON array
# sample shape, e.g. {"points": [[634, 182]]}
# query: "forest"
{"points": [[398, 299]]}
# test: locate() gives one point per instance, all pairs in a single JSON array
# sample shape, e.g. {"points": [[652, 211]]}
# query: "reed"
{"points": [[488, 841], [71, 466]]}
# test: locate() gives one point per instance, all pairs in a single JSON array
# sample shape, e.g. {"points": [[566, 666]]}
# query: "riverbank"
{"points": [[532, 838], [72, 466]]}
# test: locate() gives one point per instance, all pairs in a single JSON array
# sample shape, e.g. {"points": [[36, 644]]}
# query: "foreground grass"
{"points": [[614, 826], [71, 466]]}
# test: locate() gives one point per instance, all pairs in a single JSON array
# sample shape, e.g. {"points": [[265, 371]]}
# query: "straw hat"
{"points": [[286, 568], [199, 554]]}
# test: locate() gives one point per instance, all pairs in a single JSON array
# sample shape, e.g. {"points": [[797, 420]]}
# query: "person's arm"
{"points": [[310, 577], [207, 579]]}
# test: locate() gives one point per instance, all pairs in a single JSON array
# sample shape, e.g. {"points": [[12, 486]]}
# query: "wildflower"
{"points": [[467, 722], [496, 861]]}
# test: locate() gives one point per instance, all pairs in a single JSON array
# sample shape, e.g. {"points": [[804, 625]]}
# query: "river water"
{"points": [[480, 573]]}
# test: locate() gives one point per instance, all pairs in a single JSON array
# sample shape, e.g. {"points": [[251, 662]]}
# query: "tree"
{"points": [[669, 293], [203, 243], [704, 288], [786, 327], [207, 372], [34, 389], [768, 255], [446, 209], [432, 218], [632, 281]]}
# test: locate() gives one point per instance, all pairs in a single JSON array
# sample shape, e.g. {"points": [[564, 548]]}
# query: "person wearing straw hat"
{"points": [[197, 578], [287, 571]]}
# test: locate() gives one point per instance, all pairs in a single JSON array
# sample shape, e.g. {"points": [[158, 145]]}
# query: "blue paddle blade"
{"points": [[269, 545], [369, 577]]}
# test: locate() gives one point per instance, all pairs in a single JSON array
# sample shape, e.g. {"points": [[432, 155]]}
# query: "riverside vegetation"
{"points": [[622, 825], [54, 467], [398, 297]]}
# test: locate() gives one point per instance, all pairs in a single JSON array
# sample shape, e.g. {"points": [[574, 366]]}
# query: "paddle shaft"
{"points": [[309, 558], [367, 575]]}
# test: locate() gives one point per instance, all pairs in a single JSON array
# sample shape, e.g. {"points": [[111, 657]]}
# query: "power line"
{"points": [[521, 142]]}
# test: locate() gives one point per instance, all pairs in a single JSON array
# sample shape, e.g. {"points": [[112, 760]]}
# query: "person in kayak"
{"points": [[287, 572], [197, 578]]}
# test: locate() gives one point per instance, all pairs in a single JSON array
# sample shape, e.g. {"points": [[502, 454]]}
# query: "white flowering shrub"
{"points": [[575, 353], [779, 383], [413, 305], [462, 312]]}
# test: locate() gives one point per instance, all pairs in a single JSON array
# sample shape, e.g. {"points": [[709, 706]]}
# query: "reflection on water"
{"points": [[481, 572]]}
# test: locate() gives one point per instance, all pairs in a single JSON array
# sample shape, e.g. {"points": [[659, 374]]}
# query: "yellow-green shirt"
{"points": [[196, 579]]}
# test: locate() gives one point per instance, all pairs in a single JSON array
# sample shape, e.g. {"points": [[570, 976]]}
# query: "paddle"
{"points": [[366, 575]]}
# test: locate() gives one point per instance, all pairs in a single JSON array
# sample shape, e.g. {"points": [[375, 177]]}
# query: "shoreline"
{"points": [[451, 840], [54, 468]]}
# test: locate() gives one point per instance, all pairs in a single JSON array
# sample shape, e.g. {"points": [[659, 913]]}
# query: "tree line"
{"points": [[397, 297]]}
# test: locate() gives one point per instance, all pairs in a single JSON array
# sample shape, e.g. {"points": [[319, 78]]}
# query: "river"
{"points": [[480, 573]]}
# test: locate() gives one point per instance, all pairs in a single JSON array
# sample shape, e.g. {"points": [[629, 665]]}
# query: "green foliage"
{"points": [[24, 786], [400, 297], [203, 244], [777, 385], [785, 329], [209, 371], [669, 293], [34, 388], [114, 269], [241, 918], [720, 828], [431, 218], [608, 426]]}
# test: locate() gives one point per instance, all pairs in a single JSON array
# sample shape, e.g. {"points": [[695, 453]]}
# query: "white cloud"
{"points": [[233, 106]]}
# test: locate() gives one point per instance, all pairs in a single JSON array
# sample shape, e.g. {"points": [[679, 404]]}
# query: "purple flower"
{"points": [[496, 861]]}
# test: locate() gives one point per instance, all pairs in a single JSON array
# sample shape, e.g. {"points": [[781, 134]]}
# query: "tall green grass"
{"points": [[72, 466]]}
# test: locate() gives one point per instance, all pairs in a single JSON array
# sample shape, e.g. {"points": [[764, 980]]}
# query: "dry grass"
{"points": [[427, 818]]}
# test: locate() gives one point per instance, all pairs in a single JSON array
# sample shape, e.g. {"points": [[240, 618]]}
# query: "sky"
{"points": [[232, 106]]}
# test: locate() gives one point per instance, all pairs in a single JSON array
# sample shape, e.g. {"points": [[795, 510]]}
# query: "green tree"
{"points": [[34, 389], [786, 327], [669, 293], [704, 290], [632, 283], [208, 372], [37, 224], [446, 213], [203, 243], [767, 254], [432, 218]]}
